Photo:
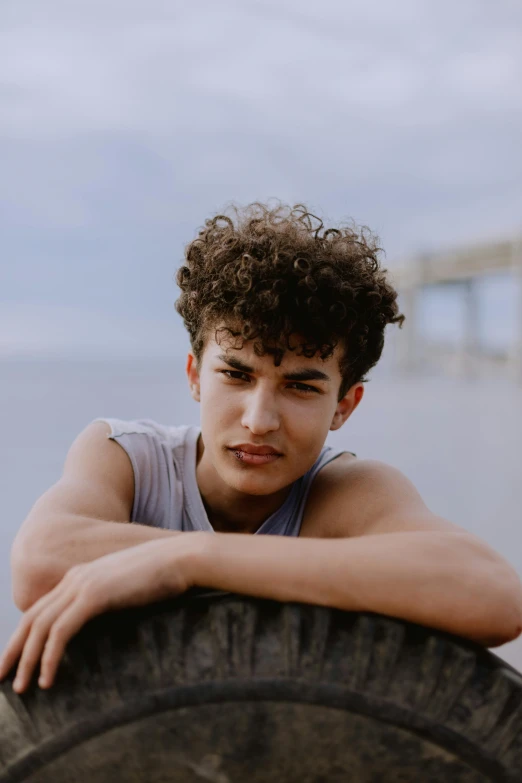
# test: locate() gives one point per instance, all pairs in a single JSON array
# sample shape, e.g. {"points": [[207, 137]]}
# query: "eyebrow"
{"points": [[306, 374]]}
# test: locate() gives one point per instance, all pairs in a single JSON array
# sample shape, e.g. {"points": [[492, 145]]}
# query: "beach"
{"points": [[457, 440]]}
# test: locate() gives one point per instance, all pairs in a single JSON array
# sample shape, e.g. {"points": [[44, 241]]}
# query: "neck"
{"points": [[243, 514]]}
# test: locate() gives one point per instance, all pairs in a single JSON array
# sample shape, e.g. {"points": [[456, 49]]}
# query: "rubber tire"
{"points": [[225, 688]]}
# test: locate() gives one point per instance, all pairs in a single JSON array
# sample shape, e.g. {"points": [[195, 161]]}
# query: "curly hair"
{"points": [[271, 274]]}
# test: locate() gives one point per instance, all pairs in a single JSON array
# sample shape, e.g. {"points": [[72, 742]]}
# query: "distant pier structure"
{"points": [[461, 267]]}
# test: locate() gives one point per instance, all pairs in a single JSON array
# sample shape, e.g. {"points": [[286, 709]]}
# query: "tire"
{"points": [[228, 689]]}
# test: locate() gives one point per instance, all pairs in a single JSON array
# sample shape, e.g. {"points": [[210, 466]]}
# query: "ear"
{"points": [[193, 377], [347, 405]]}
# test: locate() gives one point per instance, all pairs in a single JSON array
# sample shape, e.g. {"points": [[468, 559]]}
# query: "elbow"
{"points": [[513, 603], [496, 612], [23, 597], [506, 625], [26, 592], [24, 588], [514, 600], [30, 580]]}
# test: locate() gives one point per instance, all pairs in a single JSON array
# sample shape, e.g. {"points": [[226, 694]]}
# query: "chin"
{"points": [[251, 484]]}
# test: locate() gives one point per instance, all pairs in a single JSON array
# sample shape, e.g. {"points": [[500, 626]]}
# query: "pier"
{"points": [[462, 268]]}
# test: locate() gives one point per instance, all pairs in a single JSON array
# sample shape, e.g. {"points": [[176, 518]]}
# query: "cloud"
{"points": [[47, 331], [125, 124], [164, 67]]}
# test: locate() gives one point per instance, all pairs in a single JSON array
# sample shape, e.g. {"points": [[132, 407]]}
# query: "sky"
{"points": [[125, 124]]}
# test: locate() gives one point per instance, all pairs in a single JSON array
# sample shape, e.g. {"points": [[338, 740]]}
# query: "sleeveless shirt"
{"points": [[166, 492]]}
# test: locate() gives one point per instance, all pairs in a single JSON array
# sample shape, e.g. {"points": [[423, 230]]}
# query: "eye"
{"points": [[232, 374], [303, 387]]}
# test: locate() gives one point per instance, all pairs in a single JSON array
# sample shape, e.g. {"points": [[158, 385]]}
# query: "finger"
{"points": [[65, 627], [36, 640], [15, 645]]}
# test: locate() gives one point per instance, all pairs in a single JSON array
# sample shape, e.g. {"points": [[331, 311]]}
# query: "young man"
{"points": [[285, 321]]}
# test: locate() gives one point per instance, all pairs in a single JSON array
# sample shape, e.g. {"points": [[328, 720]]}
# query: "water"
{"points": [[459, 442]]}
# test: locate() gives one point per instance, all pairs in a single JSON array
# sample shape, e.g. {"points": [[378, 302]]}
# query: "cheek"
{"points": [[218, 412]]}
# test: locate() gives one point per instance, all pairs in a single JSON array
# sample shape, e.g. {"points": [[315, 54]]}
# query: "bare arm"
{"points": [[387, 553], [82, 517], [443, 580], [65, 542]]}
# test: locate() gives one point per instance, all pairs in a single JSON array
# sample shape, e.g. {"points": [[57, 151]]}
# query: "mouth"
{"points": [[249, 458]]}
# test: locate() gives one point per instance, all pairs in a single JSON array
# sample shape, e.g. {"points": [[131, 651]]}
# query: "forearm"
{"points": [[38, 563], [446, 581]]}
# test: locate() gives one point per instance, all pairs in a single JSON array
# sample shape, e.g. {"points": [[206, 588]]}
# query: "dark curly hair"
{"points": [[272, 273]]}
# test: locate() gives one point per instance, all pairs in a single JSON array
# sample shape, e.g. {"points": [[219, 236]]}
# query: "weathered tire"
{"points": [[225, 688]]}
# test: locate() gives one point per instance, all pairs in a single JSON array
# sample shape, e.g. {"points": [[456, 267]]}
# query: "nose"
{"points": [[260, 413]]}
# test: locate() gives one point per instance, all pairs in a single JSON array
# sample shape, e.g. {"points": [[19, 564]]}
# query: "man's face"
{"points": [[246, 400]]}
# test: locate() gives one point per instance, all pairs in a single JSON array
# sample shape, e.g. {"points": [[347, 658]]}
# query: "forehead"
{"points": [[227, 346]]}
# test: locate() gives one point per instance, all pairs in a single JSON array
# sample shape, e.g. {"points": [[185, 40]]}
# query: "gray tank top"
{"points": [[166, 492]]}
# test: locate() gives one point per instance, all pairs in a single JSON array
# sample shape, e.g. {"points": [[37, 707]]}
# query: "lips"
{"points": [[248, 448]]}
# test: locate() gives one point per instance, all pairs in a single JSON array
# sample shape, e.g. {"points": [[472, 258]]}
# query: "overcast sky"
{"points": [[124, 124]]}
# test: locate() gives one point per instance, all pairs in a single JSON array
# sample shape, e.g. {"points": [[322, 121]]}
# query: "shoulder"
{"points": [[351, 497], [152, 429], [325, 493]]}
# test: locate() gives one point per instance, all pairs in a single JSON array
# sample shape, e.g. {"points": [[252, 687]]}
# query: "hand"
{"points": [[134, 576]]}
